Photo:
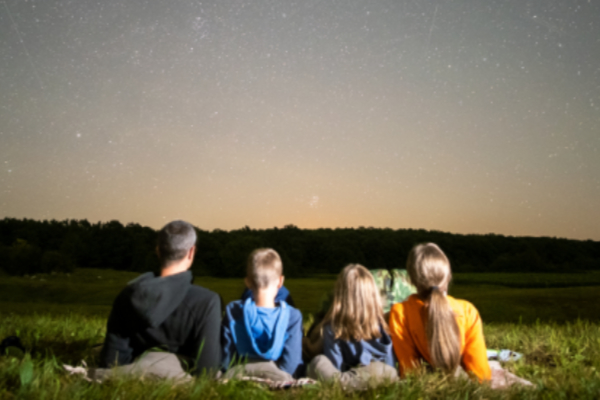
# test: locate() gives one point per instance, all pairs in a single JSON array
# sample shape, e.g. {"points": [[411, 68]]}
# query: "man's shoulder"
{"points": [[200, 291], [124, 297], [198, 296]]}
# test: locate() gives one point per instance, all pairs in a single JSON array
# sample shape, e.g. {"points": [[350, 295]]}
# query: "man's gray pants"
{"points": [[151, 364]]}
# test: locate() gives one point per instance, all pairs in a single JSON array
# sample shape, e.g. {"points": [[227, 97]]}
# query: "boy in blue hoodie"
{"points": [[262, 336]]}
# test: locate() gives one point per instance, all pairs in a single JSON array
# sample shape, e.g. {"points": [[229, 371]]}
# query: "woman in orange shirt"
{"points": [[432, 326]]}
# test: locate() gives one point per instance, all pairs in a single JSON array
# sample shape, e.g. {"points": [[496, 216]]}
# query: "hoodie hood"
{"points": [[379, 348], [352, 353], [154, 298], [263, 330]]}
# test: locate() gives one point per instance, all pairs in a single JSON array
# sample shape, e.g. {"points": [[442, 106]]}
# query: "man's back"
{"points": [[165, 312]]}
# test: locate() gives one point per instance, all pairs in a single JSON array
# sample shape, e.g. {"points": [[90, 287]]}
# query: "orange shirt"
{"points": [[410, 339]]}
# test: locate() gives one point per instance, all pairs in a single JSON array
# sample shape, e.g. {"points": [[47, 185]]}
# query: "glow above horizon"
{"points": [[468, 117]]}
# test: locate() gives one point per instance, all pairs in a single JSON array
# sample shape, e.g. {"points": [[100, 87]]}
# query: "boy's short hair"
{"points": [[264, 266]]}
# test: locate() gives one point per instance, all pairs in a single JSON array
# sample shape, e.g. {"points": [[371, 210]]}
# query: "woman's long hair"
{"points": [[429, 270], [356, 312]]}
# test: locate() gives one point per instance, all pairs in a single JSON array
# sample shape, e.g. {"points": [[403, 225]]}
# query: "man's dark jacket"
{"points": [[169, 313]]}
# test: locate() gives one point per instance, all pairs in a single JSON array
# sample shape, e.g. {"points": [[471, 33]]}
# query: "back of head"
{"points": [[429, 270], [264, 267], [174, 241], [356, 312]]}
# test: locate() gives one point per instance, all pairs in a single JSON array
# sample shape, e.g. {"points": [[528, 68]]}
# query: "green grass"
{"points": [[61, 318], [563, 360]]}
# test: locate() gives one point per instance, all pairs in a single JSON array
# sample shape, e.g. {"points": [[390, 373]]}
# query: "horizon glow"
{"points": [[465, 117]]}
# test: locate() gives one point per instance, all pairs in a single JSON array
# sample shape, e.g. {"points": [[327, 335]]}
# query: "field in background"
{"points": [[499, 297]]}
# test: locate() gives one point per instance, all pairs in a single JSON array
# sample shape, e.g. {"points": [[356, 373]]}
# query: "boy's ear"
{"points": [[280, 284], [247, 283]]}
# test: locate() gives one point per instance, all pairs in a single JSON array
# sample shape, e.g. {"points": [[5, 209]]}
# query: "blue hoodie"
{"points": [[348, 354], [259, 333]]}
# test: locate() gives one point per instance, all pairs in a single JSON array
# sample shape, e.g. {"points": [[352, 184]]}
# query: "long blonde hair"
{"points": [[356, 312], [429, 270]]}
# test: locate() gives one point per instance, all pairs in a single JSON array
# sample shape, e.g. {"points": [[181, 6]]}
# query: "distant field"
{"points": [[499, 297], [529, 280]]}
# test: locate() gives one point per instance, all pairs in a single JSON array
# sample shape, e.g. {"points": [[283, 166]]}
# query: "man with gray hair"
{"points": [[166, 311]]}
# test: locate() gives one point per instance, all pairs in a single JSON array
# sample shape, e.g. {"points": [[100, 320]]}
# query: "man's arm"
{"points": [[116, 349], [229, 354], [206, 336]]}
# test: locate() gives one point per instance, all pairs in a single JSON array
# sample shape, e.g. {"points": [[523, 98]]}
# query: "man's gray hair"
{"points": [[175, 240]]}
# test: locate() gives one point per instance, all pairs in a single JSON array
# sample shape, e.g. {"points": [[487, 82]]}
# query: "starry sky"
{"points": [[470, 116]]}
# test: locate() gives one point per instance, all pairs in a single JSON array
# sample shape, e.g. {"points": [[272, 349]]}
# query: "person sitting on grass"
{"points": [[357, 349], [432, 326], [262, 337], [167, 312], [393, 286]]}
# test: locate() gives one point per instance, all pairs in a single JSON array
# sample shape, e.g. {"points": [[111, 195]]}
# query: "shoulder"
{"points": [[199, 297], [408, 306], [127, 291], [235, 305], [122, 302], [201, 293], [461, 305], [283, 291], [235, 310], [464, 309], [295, 316]]}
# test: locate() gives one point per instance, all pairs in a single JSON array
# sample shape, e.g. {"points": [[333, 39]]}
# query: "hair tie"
{"points": [[434, 287]]}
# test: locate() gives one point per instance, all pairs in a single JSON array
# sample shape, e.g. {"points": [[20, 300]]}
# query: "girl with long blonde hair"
{"points": [[357, 348], [432, 326]]}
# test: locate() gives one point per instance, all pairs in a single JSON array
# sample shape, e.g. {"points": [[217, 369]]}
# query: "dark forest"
{"points": [[31, 247]]}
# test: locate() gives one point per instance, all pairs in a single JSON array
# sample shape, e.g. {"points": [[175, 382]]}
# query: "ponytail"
{"points": [[429, 270], [443, 335]]}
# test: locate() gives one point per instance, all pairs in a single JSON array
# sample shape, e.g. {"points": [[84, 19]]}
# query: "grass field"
{"points": [[499, 297], [60, 318]]}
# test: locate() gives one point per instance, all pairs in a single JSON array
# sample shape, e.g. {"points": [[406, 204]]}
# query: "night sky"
{"points": [[467, 116]]}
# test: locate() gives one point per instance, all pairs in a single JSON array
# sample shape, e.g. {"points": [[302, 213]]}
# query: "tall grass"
{"points": [[562, 360]]}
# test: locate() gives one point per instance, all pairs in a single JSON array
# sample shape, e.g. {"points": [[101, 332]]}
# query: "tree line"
{"points": [[29, 247]]}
